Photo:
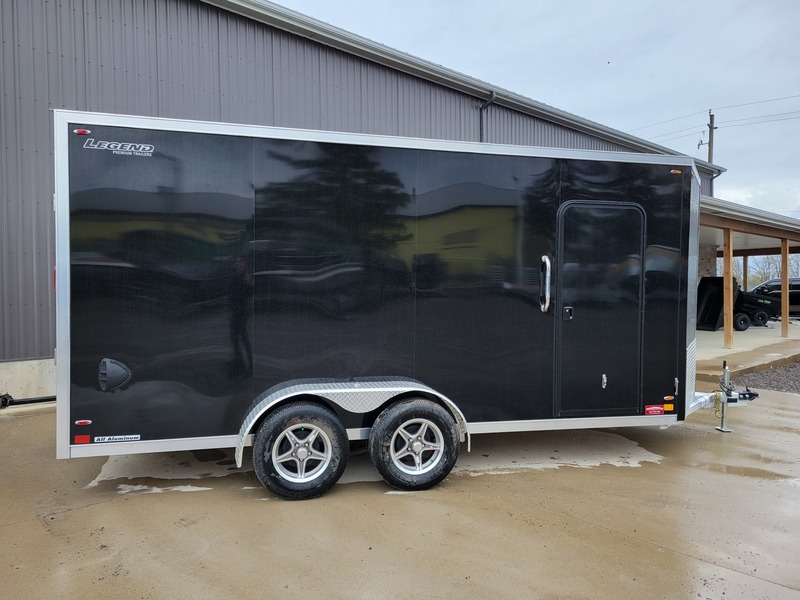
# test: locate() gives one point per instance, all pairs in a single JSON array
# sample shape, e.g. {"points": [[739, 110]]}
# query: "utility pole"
{"points": [[711, 129]]}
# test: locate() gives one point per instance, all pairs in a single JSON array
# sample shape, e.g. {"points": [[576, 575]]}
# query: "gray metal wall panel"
{"points": [[185, 59], [506, 126], [26, 187], [706, 184]]}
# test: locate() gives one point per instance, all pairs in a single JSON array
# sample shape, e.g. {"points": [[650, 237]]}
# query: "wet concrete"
{"points": [[756, 349], [683, 512]]}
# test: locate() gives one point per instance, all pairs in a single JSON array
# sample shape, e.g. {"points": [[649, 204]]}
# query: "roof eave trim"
{"points": [[323, 33], [741, 212]]}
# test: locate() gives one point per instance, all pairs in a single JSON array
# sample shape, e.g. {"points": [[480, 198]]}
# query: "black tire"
{"points": [[414, 444], [760, 318], [741, 322], [300, 451]]}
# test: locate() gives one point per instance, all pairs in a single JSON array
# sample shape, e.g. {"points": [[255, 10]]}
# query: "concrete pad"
{"points": [[682, 512], [757, 349]]}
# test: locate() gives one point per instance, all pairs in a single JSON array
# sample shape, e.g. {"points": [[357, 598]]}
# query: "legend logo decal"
{"points": [[125, 148]]}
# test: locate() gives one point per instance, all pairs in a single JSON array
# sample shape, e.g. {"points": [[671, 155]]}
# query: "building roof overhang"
{"points": [[323, 33]]}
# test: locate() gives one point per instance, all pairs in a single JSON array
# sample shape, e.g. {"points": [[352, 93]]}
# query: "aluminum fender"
{"points": [[354, 395]]}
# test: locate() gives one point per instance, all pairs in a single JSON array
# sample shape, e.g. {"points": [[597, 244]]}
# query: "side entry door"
{"points": [[599, 303]]}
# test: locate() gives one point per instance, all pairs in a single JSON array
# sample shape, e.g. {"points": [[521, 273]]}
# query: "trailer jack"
{"points": [[732, 397]]}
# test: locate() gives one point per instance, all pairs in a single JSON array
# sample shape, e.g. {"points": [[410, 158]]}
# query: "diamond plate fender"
{"points": [[354, 395]]}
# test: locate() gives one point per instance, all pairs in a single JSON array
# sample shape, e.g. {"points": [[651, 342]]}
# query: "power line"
{"points": [[759, 123], [757, 102], [702, 112], [794, 112], [661, 135], [672, 132], [680, 137], [718, 108]]}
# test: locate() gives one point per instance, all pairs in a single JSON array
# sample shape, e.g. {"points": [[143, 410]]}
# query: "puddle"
{"points": [[172, 465], [491, 454]]}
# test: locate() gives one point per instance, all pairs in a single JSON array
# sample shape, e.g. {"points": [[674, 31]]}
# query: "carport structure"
{"points": [[744, 231]]}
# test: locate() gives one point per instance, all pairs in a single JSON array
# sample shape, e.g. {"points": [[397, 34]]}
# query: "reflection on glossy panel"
{"points": [[155, 239], [484, 224], [214, 268]]}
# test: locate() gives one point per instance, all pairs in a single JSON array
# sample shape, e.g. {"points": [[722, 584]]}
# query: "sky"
{"points": [[651, 68]]}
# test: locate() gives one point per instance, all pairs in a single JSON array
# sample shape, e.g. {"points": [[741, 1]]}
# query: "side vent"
{"points": [[112, 375]]}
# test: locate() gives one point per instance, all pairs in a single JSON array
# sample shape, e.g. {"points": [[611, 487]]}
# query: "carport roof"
{"points": [[756, 231]]}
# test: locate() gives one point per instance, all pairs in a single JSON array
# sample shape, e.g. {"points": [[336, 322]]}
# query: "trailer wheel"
{"points": [[741, 322], [414, 444], [760, 318], [300, 451]]}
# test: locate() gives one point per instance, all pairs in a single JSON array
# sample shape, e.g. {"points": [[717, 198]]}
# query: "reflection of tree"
{"points": [[346, 186], [540, 197]]}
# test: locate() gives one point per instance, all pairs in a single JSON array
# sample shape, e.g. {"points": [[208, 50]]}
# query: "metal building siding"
{"points": [[26, 224], [506, 126], [185, 59]]}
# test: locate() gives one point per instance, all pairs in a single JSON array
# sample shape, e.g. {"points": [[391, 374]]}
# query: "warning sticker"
{"points": [[654, 409], [101, 439]]}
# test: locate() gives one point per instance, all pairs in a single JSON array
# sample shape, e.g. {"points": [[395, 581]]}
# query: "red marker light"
{"points": [[81, 131], [83, 422]]}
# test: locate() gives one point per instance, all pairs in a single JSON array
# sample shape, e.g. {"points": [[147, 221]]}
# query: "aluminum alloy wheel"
{"points": [[301, 453], [417, 446]]}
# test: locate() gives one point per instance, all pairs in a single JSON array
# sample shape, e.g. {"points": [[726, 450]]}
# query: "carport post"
{"points": [[727, 296], [784, 287], [744, 272]]}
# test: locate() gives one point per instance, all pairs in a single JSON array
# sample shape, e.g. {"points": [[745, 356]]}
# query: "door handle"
{"points": [[568, 313], [544, 284]]}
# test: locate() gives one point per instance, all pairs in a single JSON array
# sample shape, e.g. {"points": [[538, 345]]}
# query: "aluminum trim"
{"points": [[62, 284], [358, 434], [566, 424], [283, 133], [148, 446], [692, 268]]}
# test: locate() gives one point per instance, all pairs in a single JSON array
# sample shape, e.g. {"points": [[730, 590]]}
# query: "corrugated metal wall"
{"points": [[184, 58]]}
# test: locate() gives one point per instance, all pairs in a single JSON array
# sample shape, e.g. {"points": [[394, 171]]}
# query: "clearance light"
{"points": [[81, 132], [676, 171]]}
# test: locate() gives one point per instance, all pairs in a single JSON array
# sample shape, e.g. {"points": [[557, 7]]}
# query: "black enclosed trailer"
{"points": [[222, 285]]}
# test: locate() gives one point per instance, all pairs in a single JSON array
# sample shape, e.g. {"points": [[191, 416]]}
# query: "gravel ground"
{"points": [[782, 379]]}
